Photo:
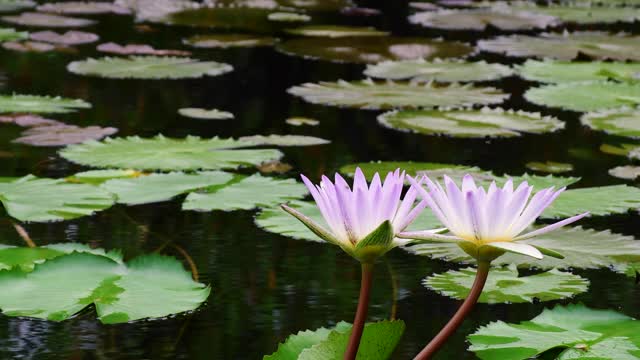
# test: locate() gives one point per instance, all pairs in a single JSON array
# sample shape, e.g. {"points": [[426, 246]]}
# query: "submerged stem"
{"points": [[436, 343], [361, 313]]}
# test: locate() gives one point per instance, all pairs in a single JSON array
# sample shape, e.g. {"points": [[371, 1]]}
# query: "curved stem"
{"points": [[361, 313], [436, 343]]}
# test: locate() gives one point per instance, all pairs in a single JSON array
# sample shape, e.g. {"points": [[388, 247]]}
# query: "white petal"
{"points": [[517, 248], [429, 235], [551, 227]]}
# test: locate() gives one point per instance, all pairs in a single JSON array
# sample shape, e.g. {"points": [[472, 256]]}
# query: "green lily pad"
{"points": [[577, 331], [470, 123], [150, 286], [565, 71], [229, 41], [504, 285], [622, 122], [277, 221], [605, 200], [335, 31], [566, 46], [549, 167], [97, 177], [628, 172], [479, 19], [7, 34], [291, 348], [582, 248], [36, 19], [372, 49], [586, 96], [25, 259], [59, 135], [282, 140], [372, 95], [299, 121], [40, 104], [213, 114], [618, 150], [162, 187], [14, 5], [246, 193], [148, 67], [581, 14], [161, 153], [40, 199], [288, 17], [438, 70]]}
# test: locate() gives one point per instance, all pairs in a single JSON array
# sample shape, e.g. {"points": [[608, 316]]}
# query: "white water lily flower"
{"points": [[364, 220], [485, 224]]}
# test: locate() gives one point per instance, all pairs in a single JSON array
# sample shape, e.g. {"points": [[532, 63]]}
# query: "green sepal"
{"points": [[312, 225], [549, 252], [480, 252], [376, 244]]}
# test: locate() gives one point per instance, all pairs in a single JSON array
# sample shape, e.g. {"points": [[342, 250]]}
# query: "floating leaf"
{"points": [[288, 17], [39, 104], [40, 199], [438, 70], [161, 153], [7, 34], [575, 330], [198, 113], [28, 46], [505, 286], [245, 194], [377, 343], [229, 40], [277, 221], [71, 37], [372, 49], [605, 200], [299, 121], [138, 49], [549, 167], [335, 31], [156, 10], [162, 187], [14, 5], [97, 177], [566, 46], [148, 67], [367, 94], [283, 140], [150, 286], [28, 120], [479, 19], [84, 8], [582, 248], [565, 71], [586, 96], [618, 150], [46, 20], [581, 14], [59, 135], [625, 172], [622, 122], [276, 166], [470, 123], [296, 343]]}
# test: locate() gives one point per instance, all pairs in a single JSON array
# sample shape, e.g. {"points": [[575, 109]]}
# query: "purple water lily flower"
{"points": [[365, 220], [485, 224]]}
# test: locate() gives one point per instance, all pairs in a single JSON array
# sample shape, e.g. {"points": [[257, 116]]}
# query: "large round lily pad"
{"points": [[438, 70], [586, 96], [566, 71], [40, 104], [479, 19], [161, 153], [622, 122], [148, 67], [470, 123], [368, 94], [373, 49], [566, 46], [47, 20]]}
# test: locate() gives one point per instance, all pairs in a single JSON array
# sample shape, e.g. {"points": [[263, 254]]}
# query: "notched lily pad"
{"points": [[438, 70], [71, 37], [575, 330], [470, 123], [335, 31], [586, 96], [479, 19], [59, 135], [84, 8], [622, 122], [549, 167], [212, 114], [138, 49], [372, 49], [566, 71], [566, 46], [283, 140], [148, 67], [40, 104], [504, 285], [229, 41], [368, 94], [47, 20], [604, 200]]}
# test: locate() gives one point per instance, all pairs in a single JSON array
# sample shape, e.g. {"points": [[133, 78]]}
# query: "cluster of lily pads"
{"points": [[426, 86]]}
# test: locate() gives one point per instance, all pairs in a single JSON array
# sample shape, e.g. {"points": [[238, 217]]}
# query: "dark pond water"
{"points": [[266, 286]]}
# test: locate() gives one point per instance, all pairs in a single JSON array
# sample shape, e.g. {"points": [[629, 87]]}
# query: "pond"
{"points": [[264, 285]]}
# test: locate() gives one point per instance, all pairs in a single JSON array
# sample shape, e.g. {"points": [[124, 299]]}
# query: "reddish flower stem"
{"points": [[361, 312]]}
